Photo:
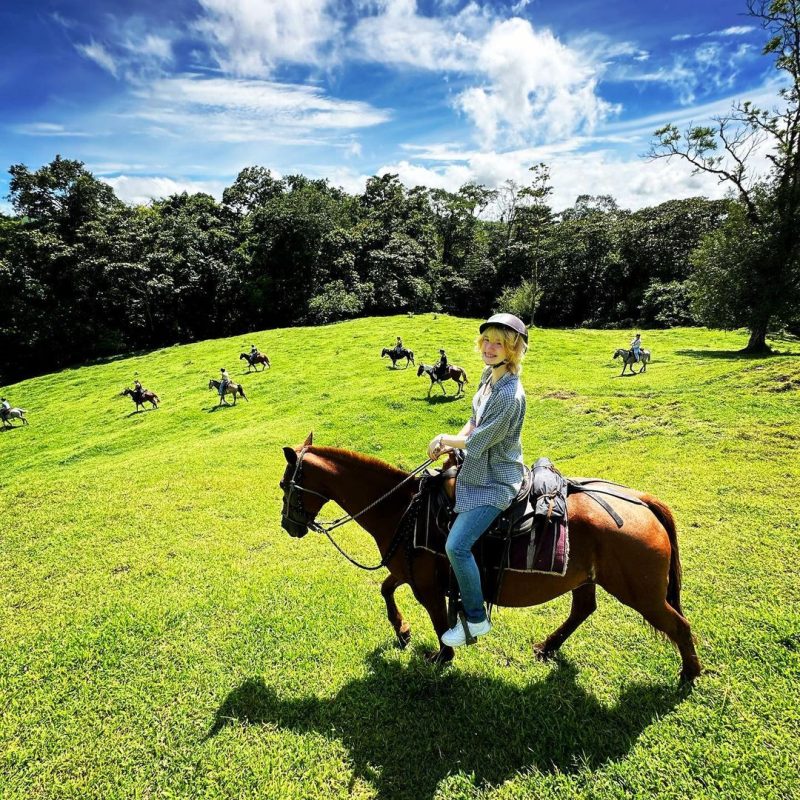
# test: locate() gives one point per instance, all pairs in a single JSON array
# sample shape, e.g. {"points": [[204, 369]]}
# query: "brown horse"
{"points": [[232, 388], [637, 563], [140, 397], [253, 360], [398, 355], [450, 373]]}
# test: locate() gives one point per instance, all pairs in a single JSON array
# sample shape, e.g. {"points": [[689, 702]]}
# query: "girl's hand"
{"points": [[435, 448]]}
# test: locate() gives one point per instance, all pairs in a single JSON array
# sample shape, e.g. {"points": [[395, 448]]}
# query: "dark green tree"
{"points": [[764, 290]]}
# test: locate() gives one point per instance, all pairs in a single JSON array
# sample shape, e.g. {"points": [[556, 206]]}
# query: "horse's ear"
{"points": [[291, 455], [309, 440]]}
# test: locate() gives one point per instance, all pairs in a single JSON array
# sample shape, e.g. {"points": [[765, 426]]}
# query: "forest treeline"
{"points": [[85, 276]]}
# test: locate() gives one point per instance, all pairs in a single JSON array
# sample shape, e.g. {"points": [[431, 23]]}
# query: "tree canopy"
{"points": [[86, 276], [747, 273]]}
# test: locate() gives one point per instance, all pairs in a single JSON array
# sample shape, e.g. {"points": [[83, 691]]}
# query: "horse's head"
{"points": [[420, 370], [384, 352], [618, 353], [211, 384], [242, 356], [126, 392], [301, 501]]}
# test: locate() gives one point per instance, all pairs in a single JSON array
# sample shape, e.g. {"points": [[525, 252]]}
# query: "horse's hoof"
{"points": [[542, 653], [689, 675], [441, 657], [403, 638]]}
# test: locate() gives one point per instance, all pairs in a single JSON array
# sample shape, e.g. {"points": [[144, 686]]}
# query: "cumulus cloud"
{"points": [[140, 190], [249, 37], [399, 36], [538, 88], [633, 182], [531, 85]]}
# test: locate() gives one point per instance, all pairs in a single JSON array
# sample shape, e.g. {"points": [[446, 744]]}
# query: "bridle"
{"points": [[296, 520]]}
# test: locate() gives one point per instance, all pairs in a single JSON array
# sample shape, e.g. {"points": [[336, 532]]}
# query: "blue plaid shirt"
{"points": [[493, 467]]}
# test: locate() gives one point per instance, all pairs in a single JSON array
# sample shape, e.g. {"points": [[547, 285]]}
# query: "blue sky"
{"points": [[158, 97]]}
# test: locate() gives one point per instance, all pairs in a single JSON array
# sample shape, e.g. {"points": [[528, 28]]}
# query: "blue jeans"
{"points": [[466, 530]]}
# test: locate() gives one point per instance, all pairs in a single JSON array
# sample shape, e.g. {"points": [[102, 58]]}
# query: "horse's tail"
{"points": [[664, 516], [241, 392], [464, 373]]}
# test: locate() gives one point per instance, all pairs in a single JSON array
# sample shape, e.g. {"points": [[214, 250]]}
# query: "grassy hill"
{"points": [[161, 636]]}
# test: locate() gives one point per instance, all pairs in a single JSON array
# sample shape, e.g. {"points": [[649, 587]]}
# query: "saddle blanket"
{"points": [[542, 547]]}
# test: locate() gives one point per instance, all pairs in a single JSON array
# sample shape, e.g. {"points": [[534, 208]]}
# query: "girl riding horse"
{"points": [[493, 467]]}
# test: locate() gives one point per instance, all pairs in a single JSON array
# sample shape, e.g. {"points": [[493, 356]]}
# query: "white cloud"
{"points": [[97, 53], [238, 110], [49, 129], [538, 88], [532, 86], [153, 45], [140, 190], [708, 68], [399, 36], [633, 182], [251, 36], [735, 30]]}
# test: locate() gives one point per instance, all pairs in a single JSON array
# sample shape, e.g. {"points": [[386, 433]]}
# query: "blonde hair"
{"points": [[512, 341]]}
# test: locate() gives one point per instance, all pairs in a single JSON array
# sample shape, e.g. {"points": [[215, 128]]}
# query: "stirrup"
{"points": [[468, 637]]}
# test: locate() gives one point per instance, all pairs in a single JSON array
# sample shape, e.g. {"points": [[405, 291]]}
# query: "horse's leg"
{"points": [[402, 630], [641, 589], [441, 386], [584, 602], [666, 619], [433, 599]]}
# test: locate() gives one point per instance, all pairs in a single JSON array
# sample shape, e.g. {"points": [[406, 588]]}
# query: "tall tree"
{"points": [[755, 257]]}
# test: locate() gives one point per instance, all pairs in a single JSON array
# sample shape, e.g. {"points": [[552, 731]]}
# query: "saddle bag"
{"points": [[550, 490]]}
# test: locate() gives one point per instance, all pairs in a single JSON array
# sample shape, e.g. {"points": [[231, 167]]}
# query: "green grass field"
{"points": [[161, 636]]}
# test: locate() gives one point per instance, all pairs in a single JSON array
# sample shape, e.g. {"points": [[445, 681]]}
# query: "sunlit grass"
{"points": [[161, 636]]}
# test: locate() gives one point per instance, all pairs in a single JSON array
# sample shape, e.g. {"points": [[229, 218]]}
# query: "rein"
{"points": [[327, 527]]}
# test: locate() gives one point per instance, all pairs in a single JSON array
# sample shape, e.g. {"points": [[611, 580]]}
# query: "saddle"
{"points": [[529, 536]]}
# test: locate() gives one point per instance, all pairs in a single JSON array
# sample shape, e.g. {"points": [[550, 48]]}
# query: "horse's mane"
{"points": [[337, 454]]}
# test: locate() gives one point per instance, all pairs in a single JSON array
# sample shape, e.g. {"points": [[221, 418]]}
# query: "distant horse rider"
{"points": [[636, 346], [137, 388], [398, 348], [224, 381], [5, 407], [440, 367], [254, 353]]}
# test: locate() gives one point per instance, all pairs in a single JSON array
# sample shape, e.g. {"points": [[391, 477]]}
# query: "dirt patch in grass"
{"points": [[560, 395]]}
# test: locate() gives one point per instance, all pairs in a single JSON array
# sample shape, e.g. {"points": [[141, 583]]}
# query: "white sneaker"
{"points": [[456, 637]]}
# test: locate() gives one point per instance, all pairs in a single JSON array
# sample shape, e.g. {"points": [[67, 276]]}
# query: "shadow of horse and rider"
{"points": [[407, 727]]}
